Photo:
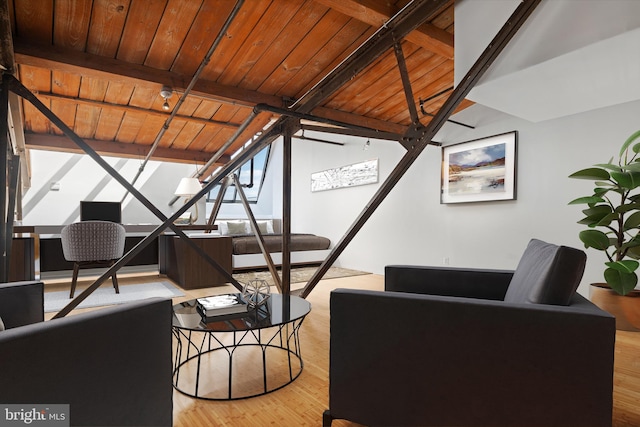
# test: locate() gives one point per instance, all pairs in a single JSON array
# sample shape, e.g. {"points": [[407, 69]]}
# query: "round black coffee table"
{"points": [[239, 355]]}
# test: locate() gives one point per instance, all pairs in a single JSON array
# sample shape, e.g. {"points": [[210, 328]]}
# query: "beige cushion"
{"points": [[262, 226], [239, 227]]}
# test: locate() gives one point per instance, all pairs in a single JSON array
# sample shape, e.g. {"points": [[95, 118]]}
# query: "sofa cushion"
{"points": [[1, 325], [239, 227], [265, 227], [546, 274]]}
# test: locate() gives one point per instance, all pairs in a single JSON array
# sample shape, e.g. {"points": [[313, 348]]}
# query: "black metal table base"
{"points": [[191, 347]]}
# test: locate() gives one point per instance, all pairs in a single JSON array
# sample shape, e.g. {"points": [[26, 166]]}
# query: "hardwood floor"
{"points": [[302, 402]]}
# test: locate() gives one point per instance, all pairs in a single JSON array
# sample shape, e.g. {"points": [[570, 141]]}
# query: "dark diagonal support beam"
{"points": [[496, 46], [218, 203], [13, 178], [402, 23], [406, 84], [18, 88], [5, 148], [250, 118], [286, 206], [183, 97], [405, 21], [256, 230]]}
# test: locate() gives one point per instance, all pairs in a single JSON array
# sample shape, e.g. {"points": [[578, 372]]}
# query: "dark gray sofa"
{"points": [[450, 347], [112, 365]]}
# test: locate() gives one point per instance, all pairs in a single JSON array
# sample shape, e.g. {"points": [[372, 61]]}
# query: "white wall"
{"points": [[412, 227], [80, 178], [570, 56]]}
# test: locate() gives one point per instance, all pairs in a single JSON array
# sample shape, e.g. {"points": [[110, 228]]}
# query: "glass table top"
{"points": [[278, 310]]}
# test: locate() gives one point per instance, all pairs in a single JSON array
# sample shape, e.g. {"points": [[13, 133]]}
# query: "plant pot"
{"points": [[626, 308]]}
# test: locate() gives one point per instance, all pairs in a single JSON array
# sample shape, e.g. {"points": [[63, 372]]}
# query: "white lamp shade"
{"points": [[188, 187]]}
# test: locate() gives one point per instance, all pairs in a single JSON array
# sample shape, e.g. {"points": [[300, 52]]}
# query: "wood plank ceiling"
{"points": [[100, 65]]}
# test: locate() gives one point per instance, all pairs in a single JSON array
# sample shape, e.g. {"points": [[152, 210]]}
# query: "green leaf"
{"points": [[591, 173], [632, 167], [589, 200], [599, 210], [596, 214], [627, 180], [633, 221], [627, 266], [594, 239], [627, 207], [635, 178], [634, 252], [606, 220], [629, 141], [622, 283], [610, 166]]}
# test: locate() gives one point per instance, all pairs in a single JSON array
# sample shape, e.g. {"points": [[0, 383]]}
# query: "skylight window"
{"points": [[251, 175]]}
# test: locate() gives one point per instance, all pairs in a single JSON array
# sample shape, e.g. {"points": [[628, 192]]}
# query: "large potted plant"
{"points": [[612, 218]]}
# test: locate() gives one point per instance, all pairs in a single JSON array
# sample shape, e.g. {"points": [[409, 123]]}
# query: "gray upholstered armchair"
{"points": [[90, 243], [112, 366], [454, 347]]}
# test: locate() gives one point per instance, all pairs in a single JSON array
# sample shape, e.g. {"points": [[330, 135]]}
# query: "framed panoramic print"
{"points": [[480, 170], [346, 176]]}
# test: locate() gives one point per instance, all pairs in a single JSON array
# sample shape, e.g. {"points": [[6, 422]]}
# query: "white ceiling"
{"points": [[571, 56]]}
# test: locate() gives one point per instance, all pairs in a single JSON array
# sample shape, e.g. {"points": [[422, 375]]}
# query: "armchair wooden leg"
{"points": [[114, 279], [76, 267], [326, 418]]}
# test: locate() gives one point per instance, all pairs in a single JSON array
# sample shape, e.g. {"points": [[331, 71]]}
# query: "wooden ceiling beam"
{"points": [[377, 12], [86, 64], [128, 108], [67, 60], [118, 149]]}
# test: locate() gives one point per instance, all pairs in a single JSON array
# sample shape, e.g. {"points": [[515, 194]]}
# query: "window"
{"points": [[251, 175]]}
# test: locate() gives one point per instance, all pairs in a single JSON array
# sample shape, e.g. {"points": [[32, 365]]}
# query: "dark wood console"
{"points": [[22, 265], [37, 248], [183, 265]]}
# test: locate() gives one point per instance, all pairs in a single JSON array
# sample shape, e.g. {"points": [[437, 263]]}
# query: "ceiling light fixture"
{"points": [[166, 93]]}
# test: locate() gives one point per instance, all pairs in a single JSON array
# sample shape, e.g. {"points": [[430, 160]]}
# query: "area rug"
{"points": [[106, 295], [298, 274]]}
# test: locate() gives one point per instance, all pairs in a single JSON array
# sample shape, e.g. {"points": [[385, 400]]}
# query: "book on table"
{"points": [[219, 305]]}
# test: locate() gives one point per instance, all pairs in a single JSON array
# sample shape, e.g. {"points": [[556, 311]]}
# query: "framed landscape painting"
{"points": [[480, 170]]}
